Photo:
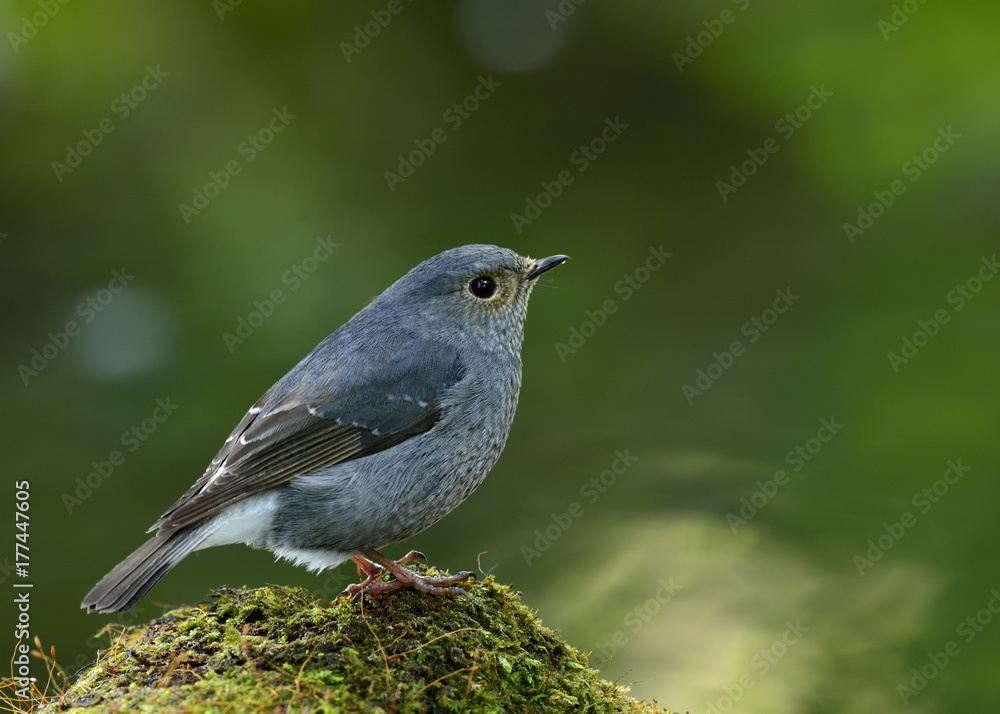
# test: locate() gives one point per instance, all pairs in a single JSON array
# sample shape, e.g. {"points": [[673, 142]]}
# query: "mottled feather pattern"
{"points": [[289, 437], [380, 431]]}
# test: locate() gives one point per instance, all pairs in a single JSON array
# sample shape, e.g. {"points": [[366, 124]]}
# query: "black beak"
{"points": [[546, 264]]}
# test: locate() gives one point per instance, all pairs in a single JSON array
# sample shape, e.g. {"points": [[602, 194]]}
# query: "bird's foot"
{"points": [[369, 573], [373, 563]]}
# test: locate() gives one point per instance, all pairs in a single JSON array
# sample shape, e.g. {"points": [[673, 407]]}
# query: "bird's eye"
{"points": [[482, 286]]}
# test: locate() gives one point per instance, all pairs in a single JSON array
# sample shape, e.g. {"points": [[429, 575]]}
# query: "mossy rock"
{"points": [[279, 649]]}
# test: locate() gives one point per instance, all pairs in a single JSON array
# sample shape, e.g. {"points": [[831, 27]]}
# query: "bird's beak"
{"points": [[546, 264]]}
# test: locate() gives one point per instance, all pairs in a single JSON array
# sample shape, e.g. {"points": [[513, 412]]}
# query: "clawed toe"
{"points": [[411, 556], [373, 564]]}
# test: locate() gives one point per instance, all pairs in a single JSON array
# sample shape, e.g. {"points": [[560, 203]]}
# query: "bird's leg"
{"points": [[374, 562], [367, 569]]}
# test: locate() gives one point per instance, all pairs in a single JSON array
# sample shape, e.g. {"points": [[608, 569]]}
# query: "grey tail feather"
{"points": [[132, 578]]}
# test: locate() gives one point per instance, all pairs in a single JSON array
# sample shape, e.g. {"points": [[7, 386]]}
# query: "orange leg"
{"points": [[373, 563]]}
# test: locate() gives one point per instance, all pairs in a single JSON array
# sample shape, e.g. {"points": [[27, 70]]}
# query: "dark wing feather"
{"points": [[286, 434]]}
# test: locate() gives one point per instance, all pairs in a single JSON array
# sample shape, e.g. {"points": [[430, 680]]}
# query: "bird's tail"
{"points": [[132, 578]]}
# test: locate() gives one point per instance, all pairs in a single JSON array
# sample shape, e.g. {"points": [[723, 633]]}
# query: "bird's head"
{"points": [[471, 290]]}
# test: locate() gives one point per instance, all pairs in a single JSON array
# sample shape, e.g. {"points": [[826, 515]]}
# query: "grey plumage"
{"points": [[380, 431]]}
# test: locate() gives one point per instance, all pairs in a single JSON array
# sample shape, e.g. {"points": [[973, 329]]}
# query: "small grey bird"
{"points": [[383, 429]]}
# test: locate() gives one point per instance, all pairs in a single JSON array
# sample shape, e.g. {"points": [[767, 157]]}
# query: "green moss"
{"points": [[279, 649]]}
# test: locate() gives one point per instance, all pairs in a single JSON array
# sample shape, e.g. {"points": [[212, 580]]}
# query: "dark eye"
{"points": [[482, 287]]}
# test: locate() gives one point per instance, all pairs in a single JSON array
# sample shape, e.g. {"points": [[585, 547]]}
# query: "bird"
{"points": [[385, 427]]}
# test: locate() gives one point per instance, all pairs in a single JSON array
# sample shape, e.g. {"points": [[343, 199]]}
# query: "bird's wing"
{"points": [[288, 435]]}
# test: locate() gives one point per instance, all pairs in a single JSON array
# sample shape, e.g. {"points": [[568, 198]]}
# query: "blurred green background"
{"points": [[286, 117]]}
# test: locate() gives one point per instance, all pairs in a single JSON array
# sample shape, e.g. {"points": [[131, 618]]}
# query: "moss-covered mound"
{"points": [[279, 649]]}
